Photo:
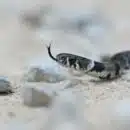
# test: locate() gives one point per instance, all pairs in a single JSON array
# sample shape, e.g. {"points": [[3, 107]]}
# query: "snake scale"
{"points": [[113, 68]]}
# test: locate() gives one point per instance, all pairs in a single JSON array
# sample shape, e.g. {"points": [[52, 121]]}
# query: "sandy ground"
{"points": [[21, 44]]}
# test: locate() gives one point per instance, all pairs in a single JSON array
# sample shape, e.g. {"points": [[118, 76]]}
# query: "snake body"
{"points": [[122, 58], [109, 70]]}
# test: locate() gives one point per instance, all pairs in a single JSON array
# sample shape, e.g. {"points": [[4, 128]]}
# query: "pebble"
{"points": [[5, 85], [36, 74], [11, 114], [37, 96], [42, 94]]}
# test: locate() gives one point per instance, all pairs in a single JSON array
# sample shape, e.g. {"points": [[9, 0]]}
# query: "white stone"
{"points": [[35, 96], [5, 85], [37, 74]]}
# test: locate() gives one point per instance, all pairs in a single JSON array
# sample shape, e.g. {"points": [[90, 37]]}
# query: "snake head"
{"points": [[75, 62], [63, 59]]}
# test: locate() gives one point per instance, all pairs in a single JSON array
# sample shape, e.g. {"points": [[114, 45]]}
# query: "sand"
{"points": [[20, 45]]}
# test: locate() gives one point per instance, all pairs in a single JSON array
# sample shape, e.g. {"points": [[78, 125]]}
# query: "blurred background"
{"points": [[90, 27]]}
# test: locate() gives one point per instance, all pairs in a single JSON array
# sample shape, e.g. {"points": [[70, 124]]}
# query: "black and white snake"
{"points": [[113, 68]]}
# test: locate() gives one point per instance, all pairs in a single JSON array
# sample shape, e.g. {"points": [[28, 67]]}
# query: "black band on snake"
{"points": [[108, 70]]}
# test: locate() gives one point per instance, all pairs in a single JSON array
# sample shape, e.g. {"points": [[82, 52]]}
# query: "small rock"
{"points": [[42, 94], [11, 114], [36, 74], [5, 85], [35, 96]]}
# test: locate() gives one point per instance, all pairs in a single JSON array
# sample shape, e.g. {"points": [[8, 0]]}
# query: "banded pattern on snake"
{"points": [[104, 70]]}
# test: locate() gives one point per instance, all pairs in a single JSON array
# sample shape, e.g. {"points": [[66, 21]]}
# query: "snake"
{"points": [[113, 68]]}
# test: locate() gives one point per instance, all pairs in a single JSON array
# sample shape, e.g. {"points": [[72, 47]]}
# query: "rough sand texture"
{"points": [[20, 45]]}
